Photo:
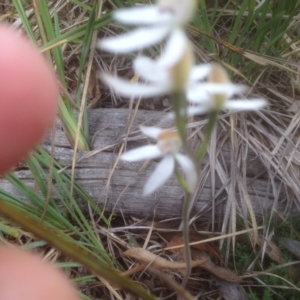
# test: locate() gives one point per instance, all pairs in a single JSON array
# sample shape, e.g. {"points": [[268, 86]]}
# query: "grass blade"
{"points": [[74, 251]]}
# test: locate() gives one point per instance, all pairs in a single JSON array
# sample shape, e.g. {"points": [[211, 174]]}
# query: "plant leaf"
{"points": [[157, 261], [72, 250]]}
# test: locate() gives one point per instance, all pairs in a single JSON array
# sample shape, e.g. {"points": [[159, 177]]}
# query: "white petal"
{"points": [[128, 89], [134, 40], [191, 111], [174, 48], [161, 174], [150, 70], [219, 88], [199, 72], [189, 171], [197, 95], [169, 116], [247, 104], [183, 10], [197, 110], [142, 153], [152, 132], [148, 15]]}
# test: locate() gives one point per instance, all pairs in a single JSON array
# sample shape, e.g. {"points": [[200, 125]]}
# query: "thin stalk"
{"points": [[179, 106], [213, 118], [212, 121], [185, 229], [186, 237]]}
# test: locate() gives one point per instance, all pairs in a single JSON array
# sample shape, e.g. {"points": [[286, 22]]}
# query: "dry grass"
{"points": [[269, 136]]}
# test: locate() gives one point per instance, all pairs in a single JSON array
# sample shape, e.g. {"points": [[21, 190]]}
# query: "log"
{"points": [[123, 193]]}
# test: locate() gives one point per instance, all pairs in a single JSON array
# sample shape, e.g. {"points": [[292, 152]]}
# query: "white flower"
{"points": [[217, 94], [174, 69], [160, 76], [167, 147], [170, 71], [161, 20]]}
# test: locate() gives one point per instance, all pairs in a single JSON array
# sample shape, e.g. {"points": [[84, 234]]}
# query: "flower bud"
{"points": [[218, 75], [180, 72]]}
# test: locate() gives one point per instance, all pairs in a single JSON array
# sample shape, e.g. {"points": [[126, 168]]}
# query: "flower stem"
{"points": [[186, 237], [185, 230], [213, 118], [179, 106], [212, 121]]}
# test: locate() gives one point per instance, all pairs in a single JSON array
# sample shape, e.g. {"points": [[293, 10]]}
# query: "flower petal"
{"points": [[174, 48], [152, 132], [247, 104], [189, 171], [197, 95], [135, 40], [161, 174], [183, 11], [191, 111], [199, 72], [219, 88], [147, 15], [142, 153], [198, 110], [150, 70], [127, 89]]}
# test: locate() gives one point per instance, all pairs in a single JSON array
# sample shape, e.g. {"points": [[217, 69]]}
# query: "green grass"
{"points": [[277, 283], [254, 44]]}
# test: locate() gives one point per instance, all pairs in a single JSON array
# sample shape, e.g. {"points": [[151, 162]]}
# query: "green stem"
{"points": [[185, 230], [179, 106], [212, 121], [213, 118], [186, 237]]}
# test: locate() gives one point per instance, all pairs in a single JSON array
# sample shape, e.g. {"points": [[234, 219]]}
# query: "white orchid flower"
{"points": [[160, 19], [170, 71], [168, 145], [217, 94]]}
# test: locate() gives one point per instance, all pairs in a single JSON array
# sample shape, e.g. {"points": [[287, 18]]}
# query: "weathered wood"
{"points": [[124, 192]]}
